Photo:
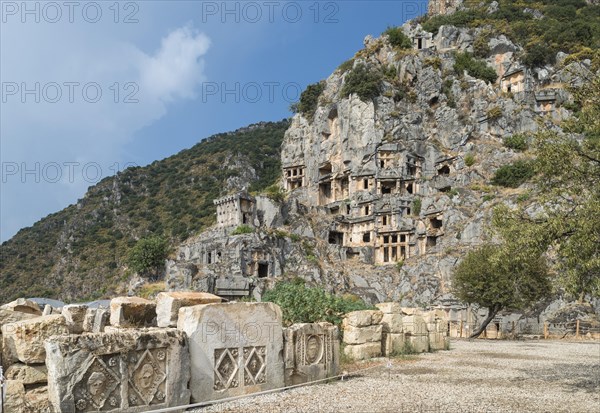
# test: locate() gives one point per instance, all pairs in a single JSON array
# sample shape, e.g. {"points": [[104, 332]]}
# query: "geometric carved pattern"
{"points": [[226, 368], [254, 365], [146, 378], [98, 388], [101, 387]]}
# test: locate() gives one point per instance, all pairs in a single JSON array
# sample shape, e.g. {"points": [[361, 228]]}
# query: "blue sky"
{"points": [[92, 87]]}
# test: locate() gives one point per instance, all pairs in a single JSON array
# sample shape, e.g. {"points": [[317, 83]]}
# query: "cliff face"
{"points": [[385, 195]]}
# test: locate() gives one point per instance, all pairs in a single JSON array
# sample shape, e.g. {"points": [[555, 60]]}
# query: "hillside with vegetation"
{"points": [[81, 252]]}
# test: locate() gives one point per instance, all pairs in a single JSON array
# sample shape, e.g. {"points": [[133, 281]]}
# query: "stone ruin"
{"points": [[393, 330], [140, 355]]}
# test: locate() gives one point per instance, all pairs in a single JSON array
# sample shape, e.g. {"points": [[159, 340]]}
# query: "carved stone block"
{"points": [[236, 348], [132, 312], [311, 352], [126, 371], [169, 303]]}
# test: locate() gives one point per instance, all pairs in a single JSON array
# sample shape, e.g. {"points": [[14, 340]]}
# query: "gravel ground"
{"points": [[479, 376]]}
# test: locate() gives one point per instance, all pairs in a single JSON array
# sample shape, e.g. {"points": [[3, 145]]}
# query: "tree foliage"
{"points": [[303, 304], [309, 99], [474, 67], [364, 82], [513, 174], [147, 257], [494, 277], [397, 38]]}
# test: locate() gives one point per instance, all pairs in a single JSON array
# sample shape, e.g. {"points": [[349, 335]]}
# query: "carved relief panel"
{"points": [[238, 367]]}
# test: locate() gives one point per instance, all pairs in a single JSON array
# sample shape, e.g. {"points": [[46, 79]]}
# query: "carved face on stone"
{"points": [[146, 376], [313, 349], [96, 383]]}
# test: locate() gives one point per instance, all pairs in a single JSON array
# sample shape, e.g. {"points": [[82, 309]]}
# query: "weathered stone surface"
{"points": [[437, 341], [9, 316], [362, 318], [169, 303], [47, 310], [392, 323], [36, 400], [74, 316], [15, 397], [132, 312], [419, 344], [311, 352], [24, 340], [414, 325], [360, 335], [236, 348], [389, 308], [27, 374], [88, 320], [23, 305], [363, 351], [392, 344], [101, 320], [127, 371]]}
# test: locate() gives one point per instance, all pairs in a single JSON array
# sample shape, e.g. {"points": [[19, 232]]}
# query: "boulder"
{"points": [[362, 318], [126, 371], [311, 352], [236, 348], [132, 312], [27, 374], [74, 316], [360, 335], [169, 303], [23, 305], [24, 340], [363, 351]]}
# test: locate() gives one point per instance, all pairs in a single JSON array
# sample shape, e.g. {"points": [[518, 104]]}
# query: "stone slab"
{"points": [[420, 344], [14, 401], [392, 323], [437, 341], [311, 352], [414, 325], [169, 303], [27, 374], [74, 316], [24, 340], [9, 316], [363, 318], [132, 312], [363, 351], [361, 335], [236, 348], [389, 308], [392, 344], [23, 305], [127, 371]]}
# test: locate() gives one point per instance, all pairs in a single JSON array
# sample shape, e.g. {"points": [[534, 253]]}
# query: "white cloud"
{"points": [[176, 68], [80, 131]]}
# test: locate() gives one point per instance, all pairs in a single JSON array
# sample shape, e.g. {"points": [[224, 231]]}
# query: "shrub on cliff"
{"points": [[397, 38], [364, 82]]}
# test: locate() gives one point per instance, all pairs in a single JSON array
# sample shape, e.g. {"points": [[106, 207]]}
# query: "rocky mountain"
{"points": [[390, 169], [80, 252]]}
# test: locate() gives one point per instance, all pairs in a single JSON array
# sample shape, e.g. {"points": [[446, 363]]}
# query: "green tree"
{"points": [[397, 38], [147, 257], [363, 81], [495, 278]]}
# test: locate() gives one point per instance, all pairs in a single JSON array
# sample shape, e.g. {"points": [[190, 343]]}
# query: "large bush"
{"points": [[514, 174], [309, 99], [303, 304], [147, 257], [364, 82], [474, 67], [397, 38]]}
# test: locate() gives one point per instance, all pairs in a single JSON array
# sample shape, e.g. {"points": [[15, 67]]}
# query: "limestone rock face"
{"points": [[27, 374], [127, 371], [132, 312], [236, 348], [169, 303], [311, 352], [24, 340]]}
